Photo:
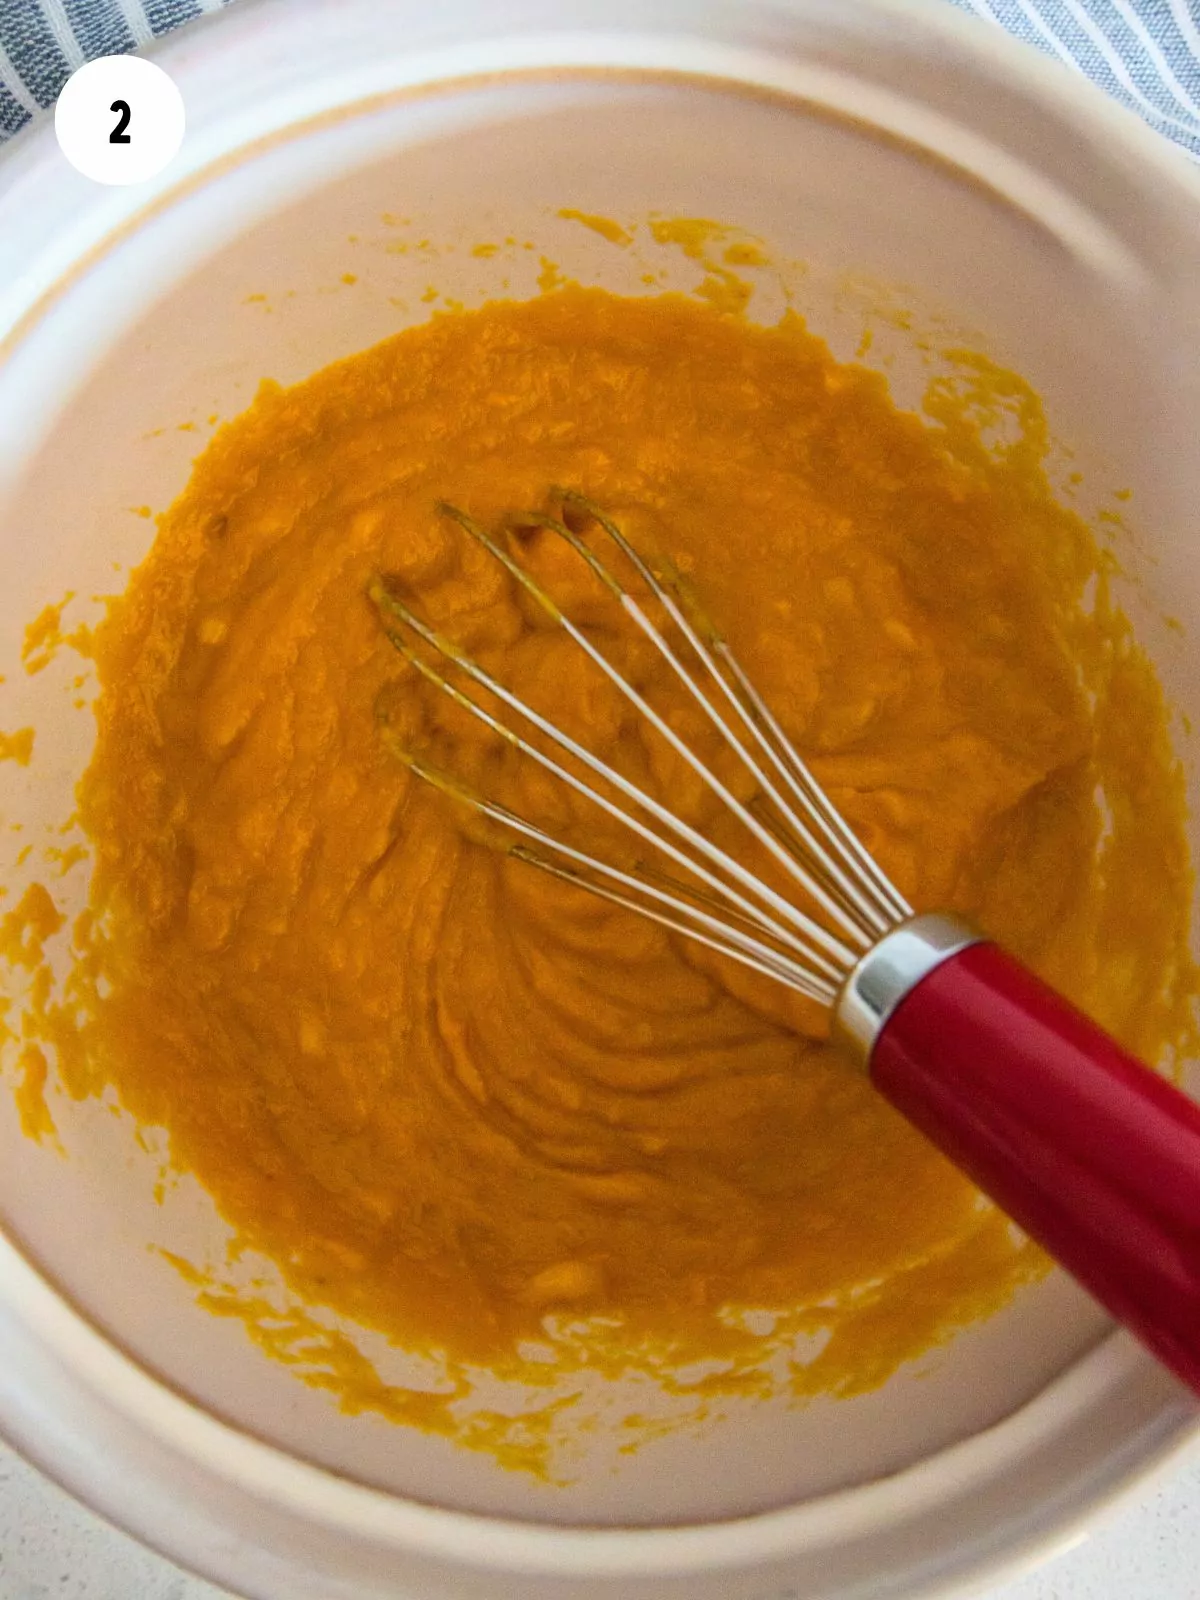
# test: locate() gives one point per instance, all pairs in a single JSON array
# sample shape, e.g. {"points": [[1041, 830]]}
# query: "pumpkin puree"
{"points": [[450, 1096]]}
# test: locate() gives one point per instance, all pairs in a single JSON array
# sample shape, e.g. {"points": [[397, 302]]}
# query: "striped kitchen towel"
{"points": [[43, 41], [1145, 53]]}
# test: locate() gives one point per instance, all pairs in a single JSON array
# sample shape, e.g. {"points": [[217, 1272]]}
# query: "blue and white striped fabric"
{"points": [[42, 42], [1145, 53]]}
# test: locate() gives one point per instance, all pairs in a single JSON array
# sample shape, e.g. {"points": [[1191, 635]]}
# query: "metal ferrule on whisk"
{"points": [[889, 972]]}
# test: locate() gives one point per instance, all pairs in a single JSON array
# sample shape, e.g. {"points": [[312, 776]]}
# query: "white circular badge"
{"points": [[119, 119]]}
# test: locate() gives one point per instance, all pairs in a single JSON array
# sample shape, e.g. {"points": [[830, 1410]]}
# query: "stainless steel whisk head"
{"points": [[846, 902]]}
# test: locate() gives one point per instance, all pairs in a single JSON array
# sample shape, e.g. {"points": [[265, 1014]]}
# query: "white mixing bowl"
{"points": [[879, 143]]}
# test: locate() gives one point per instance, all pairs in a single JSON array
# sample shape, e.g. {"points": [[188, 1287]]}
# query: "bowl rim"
{"points": [[132, 1406], [135, 1402]]}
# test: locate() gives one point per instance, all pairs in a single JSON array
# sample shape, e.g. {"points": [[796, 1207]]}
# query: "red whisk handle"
{"points": [[1090, 1152]]}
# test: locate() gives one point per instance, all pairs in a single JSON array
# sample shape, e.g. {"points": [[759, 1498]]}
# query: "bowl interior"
{"points": [[111, 392]]}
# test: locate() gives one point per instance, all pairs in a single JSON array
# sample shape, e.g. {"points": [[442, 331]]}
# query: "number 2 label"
{"points": [[119, 120], [119, 135]]}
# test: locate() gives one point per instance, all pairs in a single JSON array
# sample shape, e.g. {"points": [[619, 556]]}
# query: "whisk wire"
{"points": [[787, 859], [842, 899], [818, 956], [689, 919], [750, 952], [893, 906], [838, 837]]}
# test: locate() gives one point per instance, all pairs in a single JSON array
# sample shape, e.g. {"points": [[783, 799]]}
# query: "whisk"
{"points": [[1087, 1150]]}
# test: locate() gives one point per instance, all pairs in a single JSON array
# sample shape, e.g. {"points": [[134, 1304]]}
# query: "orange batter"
{"points": [[449, 1095]]}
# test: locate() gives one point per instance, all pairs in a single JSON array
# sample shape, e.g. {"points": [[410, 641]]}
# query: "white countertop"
{"points": [[52, 1549]]}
